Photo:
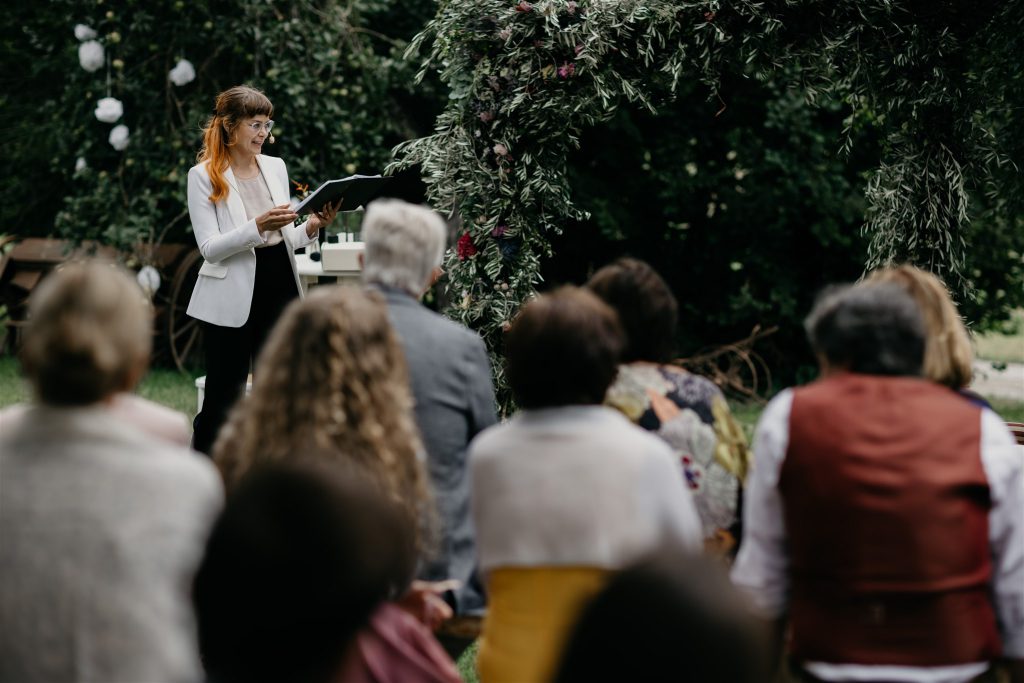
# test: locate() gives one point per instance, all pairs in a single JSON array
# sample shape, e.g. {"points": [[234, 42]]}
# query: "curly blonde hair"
{"points": [[332, 381], [948, 354]]}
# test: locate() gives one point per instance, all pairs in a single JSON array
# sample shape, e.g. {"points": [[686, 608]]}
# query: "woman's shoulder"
{"points": [[200, 170], [266, 160]]}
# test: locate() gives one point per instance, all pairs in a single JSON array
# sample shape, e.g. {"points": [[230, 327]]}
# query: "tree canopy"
{"points": [[932, 84], [333, 69], [752, 151]]}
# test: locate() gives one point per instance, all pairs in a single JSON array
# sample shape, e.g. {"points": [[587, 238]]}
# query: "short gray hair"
{"points": [[872, 329], [404, 243], [89, 333]]}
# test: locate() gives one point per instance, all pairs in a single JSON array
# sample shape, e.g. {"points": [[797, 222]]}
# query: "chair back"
{"points": [[1017, 429]]}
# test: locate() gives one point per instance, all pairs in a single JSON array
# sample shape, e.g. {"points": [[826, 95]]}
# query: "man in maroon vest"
{"points": [[884, 513]]}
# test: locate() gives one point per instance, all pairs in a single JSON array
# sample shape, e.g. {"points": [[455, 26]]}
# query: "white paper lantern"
{"points": [[90, 55], [83, 32], [149, 280], [80, 164], [119, 137], [183, 73], [109, 109]]}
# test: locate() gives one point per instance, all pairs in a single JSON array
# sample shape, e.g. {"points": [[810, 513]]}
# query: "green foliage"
{"points": [[524, 82], [527, 80], [936, 79], [746, 214], [535, 152], [13, 388], [332, 69]]}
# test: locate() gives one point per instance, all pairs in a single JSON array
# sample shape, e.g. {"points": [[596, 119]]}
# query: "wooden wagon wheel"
{"points": [[184, 335]]}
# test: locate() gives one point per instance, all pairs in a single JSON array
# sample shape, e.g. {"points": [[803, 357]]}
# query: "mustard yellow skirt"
{"points": [[529, 615]]}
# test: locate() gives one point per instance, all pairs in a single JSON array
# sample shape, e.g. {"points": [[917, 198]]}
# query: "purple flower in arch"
{"points": [[499, 231], [567, 70]]}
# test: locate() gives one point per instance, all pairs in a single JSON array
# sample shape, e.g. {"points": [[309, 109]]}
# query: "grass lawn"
{"points": [[1004, 347], [169, 387]]}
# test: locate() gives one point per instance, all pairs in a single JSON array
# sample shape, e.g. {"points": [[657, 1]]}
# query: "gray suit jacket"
{"points": [[451, 384]]}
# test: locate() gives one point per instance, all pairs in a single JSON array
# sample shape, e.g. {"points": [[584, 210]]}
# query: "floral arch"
{"points": [[526, 79]]}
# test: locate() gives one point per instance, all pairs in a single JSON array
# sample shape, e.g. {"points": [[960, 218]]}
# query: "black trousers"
{"points": [[229, 351]]}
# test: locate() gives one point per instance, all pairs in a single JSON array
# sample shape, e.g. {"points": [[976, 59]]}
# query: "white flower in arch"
{"points": [[109, 109], [119, 137], [91, 55]]}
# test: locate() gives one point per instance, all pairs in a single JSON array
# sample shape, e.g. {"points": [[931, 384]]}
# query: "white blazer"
{"points": [[227, 241]]}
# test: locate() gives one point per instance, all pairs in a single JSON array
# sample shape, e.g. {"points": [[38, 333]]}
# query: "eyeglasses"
{"points": [[255, 126]]}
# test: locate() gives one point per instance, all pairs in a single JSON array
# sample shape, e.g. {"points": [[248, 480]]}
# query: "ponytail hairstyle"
{"points": [[230, 109]]}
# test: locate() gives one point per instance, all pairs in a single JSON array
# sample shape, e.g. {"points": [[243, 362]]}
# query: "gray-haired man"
{"points": [[884, 512], [449, 370]]}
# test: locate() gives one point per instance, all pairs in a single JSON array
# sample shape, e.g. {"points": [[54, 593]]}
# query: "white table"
{"points": [[310, 271]]}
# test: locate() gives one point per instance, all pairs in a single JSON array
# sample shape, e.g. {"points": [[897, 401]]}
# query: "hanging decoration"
{"points": [[149, 279], [183, 73], [83, 32], [119, 137], [91, 55], [109, 109]]}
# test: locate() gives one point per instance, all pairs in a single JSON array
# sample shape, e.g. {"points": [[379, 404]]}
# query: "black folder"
{"points": [[354, 191]]}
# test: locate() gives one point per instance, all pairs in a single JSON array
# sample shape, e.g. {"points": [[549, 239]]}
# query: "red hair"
{"points": [[231, 108]]}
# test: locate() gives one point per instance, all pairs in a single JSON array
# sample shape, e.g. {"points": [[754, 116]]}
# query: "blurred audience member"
{"points": [[101, 524], [884, 514], [948, 356], [331, 380], [687, 411], [449, 371], [154, 419], [298, 562], [669, 618], [567, 490], [129, 408]]}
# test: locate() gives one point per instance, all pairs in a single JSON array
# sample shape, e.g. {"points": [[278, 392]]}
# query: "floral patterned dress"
{"points": [[690, 413]]}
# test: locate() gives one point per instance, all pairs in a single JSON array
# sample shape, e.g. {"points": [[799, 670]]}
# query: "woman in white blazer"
{"points": [[238, 200]]}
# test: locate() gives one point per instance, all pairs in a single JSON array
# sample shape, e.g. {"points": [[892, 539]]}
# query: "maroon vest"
{"points": [[886, 508]]}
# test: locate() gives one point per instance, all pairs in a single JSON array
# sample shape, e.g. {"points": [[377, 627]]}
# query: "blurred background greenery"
{"points": [[747, 211]]}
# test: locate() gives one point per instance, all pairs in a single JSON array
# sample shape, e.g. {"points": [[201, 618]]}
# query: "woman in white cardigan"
{"points": [[238, 200], [567, 491]]}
